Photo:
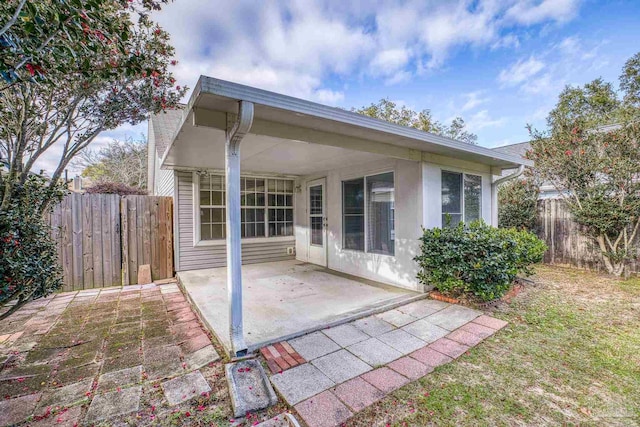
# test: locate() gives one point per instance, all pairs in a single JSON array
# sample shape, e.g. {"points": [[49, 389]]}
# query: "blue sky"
{"points": [[499, 64]]}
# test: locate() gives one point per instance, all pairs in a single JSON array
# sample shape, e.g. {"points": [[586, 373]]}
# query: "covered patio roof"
{"points": [[298, 137]]}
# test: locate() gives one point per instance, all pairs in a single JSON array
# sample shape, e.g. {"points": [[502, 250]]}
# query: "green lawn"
{"points": [[570, 355]]}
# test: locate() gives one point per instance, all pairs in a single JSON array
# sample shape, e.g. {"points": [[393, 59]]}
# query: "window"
{"points": [[266, 207], [461, 198], [372, 211], [353, 214]]}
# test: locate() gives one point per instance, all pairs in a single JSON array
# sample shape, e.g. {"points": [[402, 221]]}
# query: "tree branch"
{"points": [[14, 18]]}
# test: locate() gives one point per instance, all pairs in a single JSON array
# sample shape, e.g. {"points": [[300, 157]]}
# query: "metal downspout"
{"points": [[494, 193], [237, 128]]}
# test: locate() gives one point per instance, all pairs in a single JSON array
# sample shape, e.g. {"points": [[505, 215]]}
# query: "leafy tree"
{"points": [[389, 111], [518, 201], [45, 37], [28, 269], [591, 150], [121, 83], [120, 162], [89, 81]]}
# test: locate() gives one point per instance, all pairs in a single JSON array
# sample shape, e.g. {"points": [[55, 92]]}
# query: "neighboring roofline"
{"points": [[511, 145], [240, 92]]}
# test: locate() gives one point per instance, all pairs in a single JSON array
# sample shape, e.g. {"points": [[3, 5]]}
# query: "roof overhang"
{"points": [[296, 123]]}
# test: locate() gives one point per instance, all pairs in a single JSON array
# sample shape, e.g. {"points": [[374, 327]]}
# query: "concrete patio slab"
{"points": [[300, 383], [373, 326], [425, 330], [286, 299], [453, 317], [323, 410], [374, 352], [396, 318], [313, 345], [341, 366], [402, 341], [423, 308], [345, 335]]}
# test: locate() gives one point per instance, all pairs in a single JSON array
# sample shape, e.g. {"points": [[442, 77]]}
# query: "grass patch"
{"points": [[568, 356]]}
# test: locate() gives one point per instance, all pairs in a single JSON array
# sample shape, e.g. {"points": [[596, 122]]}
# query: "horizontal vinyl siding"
{"points": [[164, 182], [193, 258]]}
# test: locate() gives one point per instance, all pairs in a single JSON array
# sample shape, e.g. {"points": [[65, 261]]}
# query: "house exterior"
{"points": [[258, 176]]}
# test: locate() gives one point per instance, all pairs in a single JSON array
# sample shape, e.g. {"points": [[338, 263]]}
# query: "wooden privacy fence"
{"points": [[102, 239], [568, 243]]}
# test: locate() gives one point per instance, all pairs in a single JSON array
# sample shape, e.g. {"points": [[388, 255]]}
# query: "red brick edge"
{"points": [[281, 356]]}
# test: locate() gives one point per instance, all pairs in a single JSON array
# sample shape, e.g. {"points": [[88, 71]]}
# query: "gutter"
{"points": [[494, 193]]}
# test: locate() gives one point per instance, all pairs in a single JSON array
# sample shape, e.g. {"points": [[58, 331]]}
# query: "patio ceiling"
{"points": [[297, 137]]}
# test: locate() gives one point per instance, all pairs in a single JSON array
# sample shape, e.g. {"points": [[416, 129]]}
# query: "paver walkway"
{"points": [[352, 366], [82, 357]]}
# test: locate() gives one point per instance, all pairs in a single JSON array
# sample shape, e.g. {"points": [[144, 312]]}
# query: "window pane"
{"points": [[271, 187], [289, 215], [354, 232], [353, 197], [205, 232], [205, 215], [251, 199], [217, 215], [217, 231], [451, 192], [250, 184], [272, 199], [260, 229], [380, 213], [205, 198], [260, 185], [205, 180], [288, 201], [316, 231], [260, 199], [472, 197], [315, 200], [260, 215], [280, 199], [217, 182], [217, 198], [451, 220]]}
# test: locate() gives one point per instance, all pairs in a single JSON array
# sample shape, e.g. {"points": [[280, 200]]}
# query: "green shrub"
{"points": [[518, 200], [29, 267], [477, 260]]}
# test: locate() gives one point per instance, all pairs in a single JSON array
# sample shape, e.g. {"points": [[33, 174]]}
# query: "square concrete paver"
{"points": [[186, 387], [358, 394], [374, 352], [67, 395], [453, 317], [121, 378], [13, 411], [373, 326], [396, 317], [300, 383], [423, 308], [385, 379], [425, 330], [345, 335], [113, 404], [202, 357], [163, 362], [314, 345], [449, 347], [402, 341], [490, 322], [323, 410], [430, 357], [341, 366], [478, 329], [410, 368], [464, 337]]}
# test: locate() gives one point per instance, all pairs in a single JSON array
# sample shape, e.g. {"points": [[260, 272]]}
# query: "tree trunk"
{"points": [[615, 268]]}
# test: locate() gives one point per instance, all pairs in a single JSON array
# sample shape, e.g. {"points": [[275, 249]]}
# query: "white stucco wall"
{"points": [[400, 269]]}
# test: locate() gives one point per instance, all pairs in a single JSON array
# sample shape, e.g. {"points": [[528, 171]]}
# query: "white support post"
{"points": [[236, 130]]}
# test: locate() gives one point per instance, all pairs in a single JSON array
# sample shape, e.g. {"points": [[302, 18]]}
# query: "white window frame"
{"points": [[366, 211], [462, 202], [197, 240]]}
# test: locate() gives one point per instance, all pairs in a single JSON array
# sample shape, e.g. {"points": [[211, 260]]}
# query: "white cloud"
{"points": [[533, 11], [472, 100], [482, 119], [521, 71]]}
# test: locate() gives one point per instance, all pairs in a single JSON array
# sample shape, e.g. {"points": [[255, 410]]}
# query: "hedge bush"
{"points": [[518, 200], [476, 260], [29, 267]]}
